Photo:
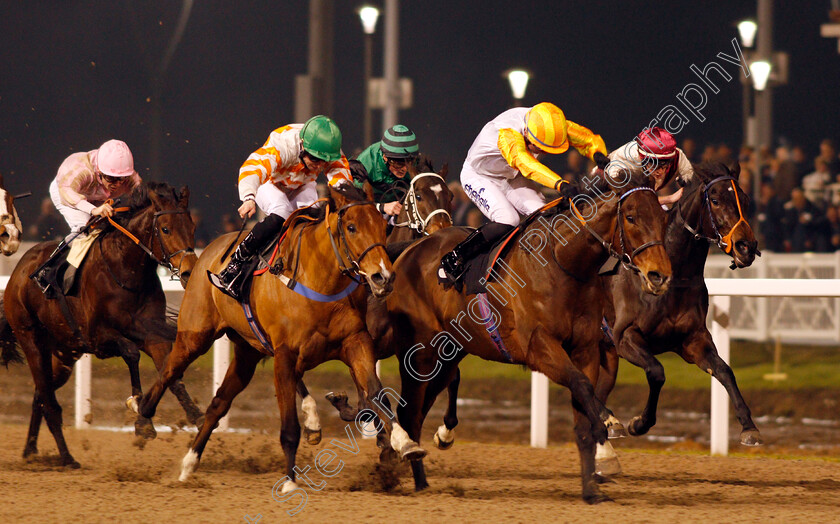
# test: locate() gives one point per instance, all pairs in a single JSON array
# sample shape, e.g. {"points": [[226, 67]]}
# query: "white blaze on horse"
{"points": [[9, 221]]}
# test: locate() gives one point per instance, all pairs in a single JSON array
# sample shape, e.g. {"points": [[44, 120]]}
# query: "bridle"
{"points": [[724, 242], [166, 260], [416, 221], [352, 269], [625, 258]]}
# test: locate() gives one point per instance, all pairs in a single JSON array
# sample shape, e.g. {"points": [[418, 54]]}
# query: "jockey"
{"points": [[84, 184], [501, 172], [655, 153], [280, 177], [386, 162]]}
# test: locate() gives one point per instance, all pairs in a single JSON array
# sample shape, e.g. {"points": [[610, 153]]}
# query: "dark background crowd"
{"points": [[798, 208]]}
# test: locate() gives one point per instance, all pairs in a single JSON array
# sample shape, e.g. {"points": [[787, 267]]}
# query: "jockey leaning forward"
{"points": [[655, 153], [280, 177], [502, 170], [385, 165], [84, 184]]}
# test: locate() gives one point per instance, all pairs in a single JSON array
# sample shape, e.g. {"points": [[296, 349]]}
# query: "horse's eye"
{"points": [[351, 228], [418, 197], [714, 201], [631, 219], [165, 230]]}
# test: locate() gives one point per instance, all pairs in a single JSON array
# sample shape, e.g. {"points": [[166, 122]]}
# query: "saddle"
{"points": [[480, 268]]}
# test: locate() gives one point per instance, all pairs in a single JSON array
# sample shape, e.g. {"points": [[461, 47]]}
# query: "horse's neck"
{"points": [[581, 255], [688, 255], [318, 255], [123, 256]]}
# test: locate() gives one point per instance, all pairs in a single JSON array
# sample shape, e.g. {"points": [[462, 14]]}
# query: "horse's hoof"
{"points": [[412, 451], [313, 436], [144, 428], [636, 427], [421, 486], [616, 430], [608, 467], [596, 498], [133, 403], [29, 451], [70, 463], [336, 399], [751, 437], [444, 438]]}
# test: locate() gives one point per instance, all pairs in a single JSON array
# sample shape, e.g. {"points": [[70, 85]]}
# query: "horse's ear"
{"points": [[368, 189], [444, 171], [735, 170], [338, 198], [184, 197]]}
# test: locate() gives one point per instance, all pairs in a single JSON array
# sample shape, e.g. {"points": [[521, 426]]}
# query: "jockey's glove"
{"points": [[601, 160]]}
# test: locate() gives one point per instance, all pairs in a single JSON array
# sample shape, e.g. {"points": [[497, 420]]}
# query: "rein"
{"points": [[724, 242], [166, 261], [416, 221], [353, 269], [625, 258]]}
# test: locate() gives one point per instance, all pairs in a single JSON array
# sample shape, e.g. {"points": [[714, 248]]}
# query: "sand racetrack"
{"points": [[125, 481]]}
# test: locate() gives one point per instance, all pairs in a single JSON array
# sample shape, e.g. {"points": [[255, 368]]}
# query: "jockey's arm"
{"points": [[338, 172], [584, 140], [515, 152]]}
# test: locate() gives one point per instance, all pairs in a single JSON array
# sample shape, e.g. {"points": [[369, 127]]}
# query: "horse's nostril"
{"points": [[742, 247], [378, 279], [655, 278]]}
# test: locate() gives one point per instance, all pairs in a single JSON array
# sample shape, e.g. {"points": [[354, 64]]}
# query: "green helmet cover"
{"points": [[399, 142], [321, 138]]}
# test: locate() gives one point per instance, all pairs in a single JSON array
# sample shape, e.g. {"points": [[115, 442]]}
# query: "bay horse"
{"points": [[301, 332], [10, 226], [119, 309], [427, 204], [711, 211], [543, 308]]}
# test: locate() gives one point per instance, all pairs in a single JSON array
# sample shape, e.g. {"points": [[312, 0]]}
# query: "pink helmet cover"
{"points": [[115, 159]]}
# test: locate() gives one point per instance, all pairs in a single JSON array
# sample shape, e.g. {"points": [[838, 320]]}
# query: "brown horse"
{"points": [[10, 227], [709, 212], [301, 331], [427, 205], [119, 308], [543, 308]]}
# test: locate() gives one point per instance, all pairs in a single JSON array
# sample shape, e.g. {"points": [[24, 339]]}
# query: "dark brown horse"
{"points": [[119, 308], [543, 310], [10, 227], [711, 211], [427, 205], [327, 258]]}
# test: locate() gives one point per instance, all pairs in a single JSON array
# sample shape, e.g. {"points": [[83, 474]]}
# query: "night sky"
{"points": [[74, 74]]}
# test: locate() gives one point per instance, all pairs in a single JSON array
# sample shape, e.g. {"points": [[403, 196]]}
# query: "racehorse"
{"points": [[9, 222], [543, 308], [427, 204], [118, 310], [711, 211], [300, 327]]}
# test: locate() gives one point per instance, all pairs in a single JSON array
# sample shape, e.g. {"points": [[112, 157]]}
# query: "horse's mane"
{"points": [[424, 164], [139, 198], [318, 212]]}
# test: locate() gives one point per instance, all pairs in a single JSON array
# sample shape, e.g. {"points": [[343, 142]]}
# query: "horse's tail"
{"points": [[9, 350]]}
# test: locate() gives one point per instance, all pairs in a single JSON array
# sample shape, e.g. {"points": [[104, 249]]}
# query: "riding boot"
{"points": [[231, 279], [452, 265], [45, 277]]}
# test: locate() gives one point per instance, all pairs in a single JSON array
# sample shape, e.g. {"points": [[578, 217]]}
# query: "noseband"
{"points": [[416, 221], [625, 258], [724, 242]]}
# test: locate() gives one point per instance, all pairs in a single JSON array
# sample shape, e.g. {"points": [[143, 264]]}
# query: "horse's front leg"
{"points": [[445, 434], [311, 421], [357, 353], [130, 353], [700, 350], [547, 355], [633, 347]]}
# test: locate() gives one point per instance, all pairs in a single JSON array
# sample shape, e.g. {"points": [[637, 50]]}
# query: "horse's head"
{"points": [[640, 233], [428, 203], [359, 233], [163, 214], [10, 227], [723, 204]]}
